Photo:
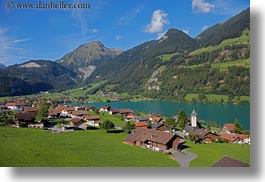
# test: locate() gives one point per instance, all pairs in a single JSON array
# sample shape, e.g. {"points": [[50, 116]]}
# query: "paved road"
{"points": [[184, 157]]}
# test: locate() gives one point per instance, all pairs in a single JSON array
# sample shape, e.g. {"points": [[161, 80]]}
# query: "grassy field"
{"points": [[243, 39], [223, 66], [208, 154], [118, 122], [93, 148], [214, 98], [210, 97], [167, 57]]}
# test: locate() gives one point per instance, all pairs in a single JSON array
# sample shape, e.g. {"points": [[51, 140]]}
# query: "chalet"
{"points": [[229, 162], [31, 109], [16, 106], [153, 139], [140, 125], [78, 113], [78, 123], [66, 111], [204, 136], [230, 137], [141, 119], [154, 118], [244, 138], [105, 108], [54, 113], [161, 127], [130, 116], [228, 128], [24, 119], [125, 112], [92, 120], [114, 111]]}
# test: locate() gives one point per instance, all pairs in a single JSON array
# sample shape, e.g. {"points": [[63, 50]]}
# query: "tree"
{"points": [[6, 117], [209, 126], [182, 119], [43, 110], [194, 137], [238, 127], [171, 123], [107, 125], [129, 126]]}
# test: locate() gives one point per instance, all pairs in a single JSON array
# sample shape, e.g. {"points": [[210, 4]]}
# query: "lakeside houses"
{"points": [[153, 139], [78, 123], [228, 128], [204, 135], [27, 119], [78, 113], [92, 120], [161, 126], [155, 118], [105, 108], [31, 109], [16, 106], [141, 125], [227, 134], [123, 112], [79, 118]]}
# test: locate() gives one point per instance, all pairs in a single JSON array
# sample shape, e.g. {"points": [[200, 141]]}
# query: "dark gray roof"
{"points": [[229, 162], [157, 125]]}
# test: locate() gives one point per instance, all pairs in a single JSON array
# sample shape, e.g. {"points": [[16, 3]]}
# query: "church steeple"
{"points": [[194, 118]]}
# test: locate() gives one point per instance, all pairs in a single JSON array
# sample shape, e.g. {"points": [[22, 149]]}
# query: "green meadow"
{"points": [[22, 147], [208, 154]]}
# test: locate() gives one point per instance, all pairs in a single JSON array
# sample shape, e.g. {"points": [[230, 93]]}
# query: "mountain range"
{"points": [[214, 62]]}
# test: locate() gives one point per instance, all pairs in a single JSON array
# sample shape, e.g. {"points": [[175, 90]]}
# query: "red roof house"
{"points": [[228, 128]]}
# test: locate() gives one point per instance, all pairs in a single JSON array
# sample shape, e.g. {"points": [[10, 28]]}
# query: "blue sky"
{"points": [[27, 34]]}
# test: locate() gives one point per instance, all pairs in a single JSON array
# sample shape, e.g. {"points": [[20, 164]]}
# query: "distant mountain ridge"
{"points": [[2, 66], [231, 28], [35, 76], [83, 59], [172, 67]]}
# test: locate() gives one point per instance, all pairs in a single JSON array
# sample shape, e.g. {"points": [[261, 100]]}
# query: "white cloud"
{"points": [[10, 49], [205, 27], [200, 6], [118, 37], [158, 21], [94, 30], [130, 15]]}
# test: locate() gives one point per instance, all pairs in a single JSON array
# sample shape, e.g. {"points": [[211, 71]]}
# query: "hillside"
{"points": [[231, 28], [2, 66], [133, 67], [213, 67], [177, 66], [35, 76], [83, 60]]}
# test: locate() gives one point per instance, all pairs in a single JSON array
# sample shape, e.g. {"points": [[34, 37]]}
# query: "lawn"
{"points": [[224, 66], [243, 39], [208, 154], [93, 148], [214, 98], [117, 120], [167, 57], [210, 97]]}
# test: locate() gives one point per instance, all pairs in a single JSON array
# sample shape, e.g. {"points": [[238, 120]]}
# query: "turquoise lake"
{"points": [[221, 113]]}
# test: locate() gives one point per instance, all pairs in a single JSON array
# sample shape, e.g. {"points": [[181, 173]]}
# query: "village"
{"points": [[149, 130]]}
